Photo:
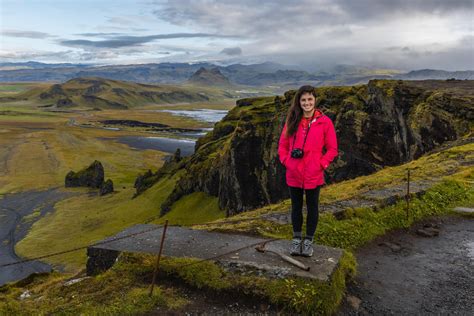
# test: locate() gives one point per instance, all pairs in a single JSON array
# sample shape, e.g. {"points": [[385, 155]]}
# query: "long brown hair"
{"points": [[293, 117]]}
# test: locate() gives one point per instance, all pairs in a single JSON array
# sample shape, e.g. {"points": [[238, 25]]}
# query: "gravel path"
{"points": [[404, 273]]}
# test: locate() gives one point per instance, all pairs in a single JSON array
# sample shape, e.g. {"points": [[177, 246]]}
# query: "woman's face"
{"points": [[307, 102]]}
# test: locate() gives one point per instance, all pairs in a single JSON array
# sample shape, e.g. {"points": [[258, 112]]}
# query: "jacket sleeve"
{"points": [[330, 143], [283, 146]]}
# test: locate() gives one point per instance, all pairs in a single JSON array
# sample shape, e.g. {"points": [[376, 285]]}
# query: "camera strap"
{"points": [[306, 135]]}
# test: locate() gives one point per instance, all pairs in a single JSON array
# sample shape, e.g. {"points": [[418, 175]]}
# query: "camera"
{"points": [[297, 153]]}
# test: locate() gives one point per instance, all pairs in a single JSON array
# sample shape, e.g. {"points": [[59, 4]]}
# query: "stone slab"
{"points": [[185, 242], [464, 209]]}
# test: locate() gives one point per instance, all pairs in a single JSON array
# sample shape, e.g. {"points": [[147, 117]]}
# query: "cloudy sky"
{"points": [[400, 34]]}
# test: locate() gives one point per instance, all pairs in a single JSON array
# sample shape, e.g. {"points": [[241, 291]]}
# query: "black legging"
{"points": [[312, 204]]}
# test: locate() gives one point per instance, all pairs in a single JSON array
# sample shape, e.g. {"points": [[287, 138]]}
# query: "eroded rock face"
{"points": [[92, 176], [384, 123]]}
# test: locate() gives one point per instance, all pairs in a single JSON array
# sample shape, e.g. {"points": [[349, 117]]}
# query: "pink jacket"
{"points": [[308, 172]]}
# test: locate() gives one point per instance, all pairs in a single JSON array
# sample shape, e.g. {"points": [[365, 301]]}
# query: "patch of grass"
{"points": [[314, 297], [197, 207], [303, 296], [31, 217], [119, 291], [366, 224]]}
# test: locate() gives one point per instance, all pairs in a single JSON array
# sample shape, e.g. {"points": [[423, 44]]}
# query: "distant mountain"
{"points": [[264, 74], [38, 65], [105, 93], [143, 73], [209, 77], [424, 74]]}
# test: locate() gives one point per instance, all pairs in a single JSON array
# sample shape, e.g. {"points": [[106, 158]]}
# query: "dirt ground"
{"points": [[403, 273]]}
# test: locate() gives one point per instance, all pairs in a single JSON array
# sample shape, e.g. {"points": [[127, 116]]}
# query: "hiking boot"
{"points": [[295, 249], [307, 248]]}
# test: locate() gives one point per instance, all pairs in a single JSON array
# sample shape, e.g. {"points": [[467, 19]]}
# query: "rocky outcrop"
{"points": [[92, 176], [148, 179], [384, 123], [106, 187]]}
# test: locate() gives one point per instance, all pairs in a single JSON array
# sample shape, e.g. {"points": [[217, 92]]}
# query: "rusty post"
{"points": [[408, 193], [157, 266]]}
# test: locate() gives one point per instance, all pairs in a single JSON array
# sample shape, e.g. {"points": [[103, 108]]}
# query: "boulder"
{"points": [[92, 176], [106, 187]]}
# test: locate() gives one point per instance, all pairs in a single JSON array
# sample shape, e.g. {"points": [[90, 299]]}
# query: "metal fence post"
{"points": [[157, 266], [408, 194]]}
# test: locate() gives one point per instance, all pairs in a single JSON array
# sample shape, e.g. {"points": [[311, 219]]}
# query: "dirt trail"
{"points": [[403, 273]]}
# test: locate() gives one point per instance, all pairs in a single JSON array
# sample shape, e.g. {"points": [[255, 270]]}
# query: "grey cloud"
{"points": [[246, 18], [231, 51], [363, 9], [88, 56], [330, 31], [120, 20], [124, 41], [26, 34], [100, 34], [36, 55], [270, 17]]}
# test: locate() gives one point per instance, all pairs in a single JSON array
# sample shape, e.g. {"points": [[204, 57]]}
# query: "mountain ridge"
{"points": [[253, 75], [95, 92]]}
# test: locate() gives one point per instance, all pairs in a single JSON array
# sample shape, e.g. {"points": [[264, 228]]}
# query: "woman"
{"points": [[306, 132]]}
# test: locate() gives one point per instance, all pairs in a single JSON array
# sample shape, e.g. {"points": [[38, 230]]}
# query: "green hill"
{"points": [[113, 94]]}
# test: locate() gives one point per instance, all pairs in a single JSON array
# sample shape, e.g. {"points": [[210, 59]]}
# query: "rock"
{"points": [[106, 187], [428, 232], [464, 210], [25, 295], [92, 176], [353, 301], [394, 247], [74, 281], [177, 155]]}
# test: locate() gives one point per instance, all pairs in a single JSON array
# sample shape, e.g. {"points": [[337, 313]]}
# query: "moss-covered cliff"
{"points": [[383, 123]]}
